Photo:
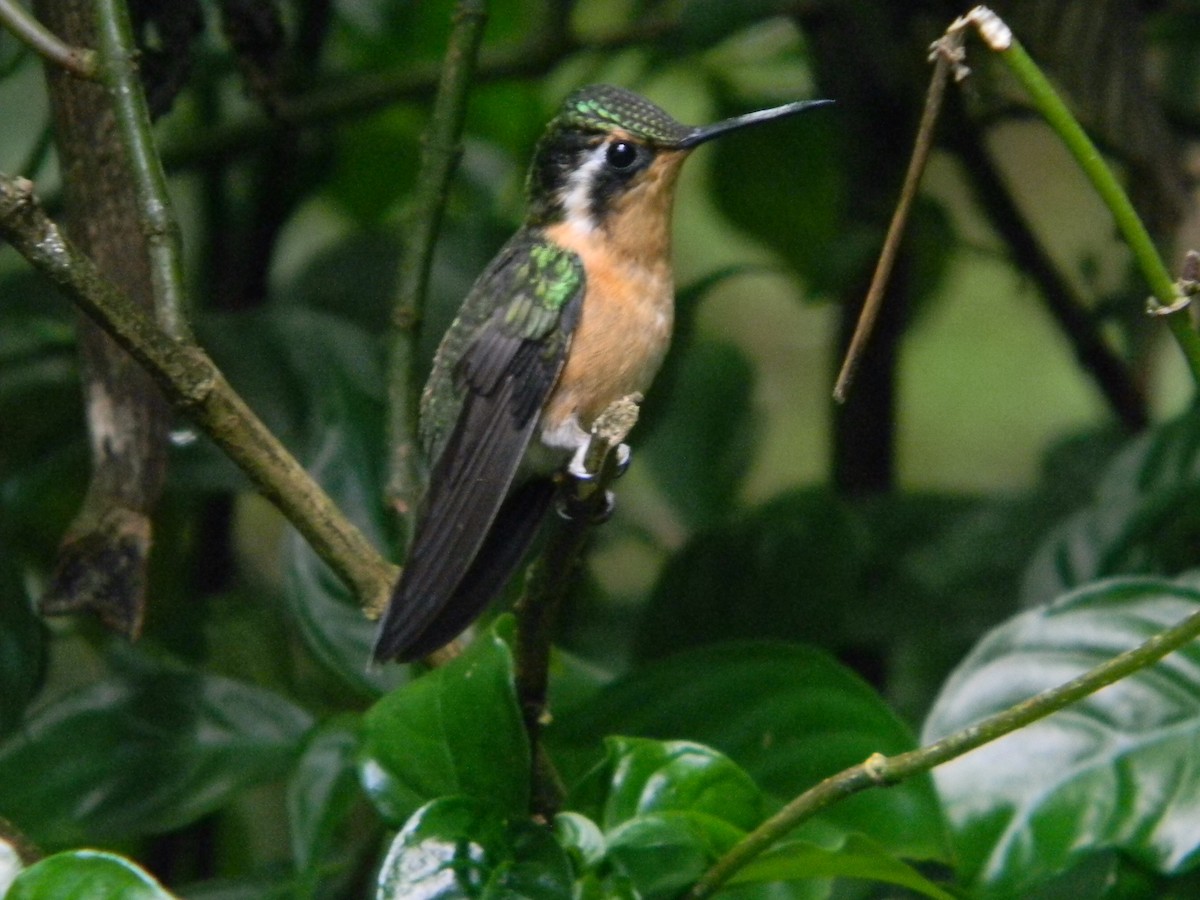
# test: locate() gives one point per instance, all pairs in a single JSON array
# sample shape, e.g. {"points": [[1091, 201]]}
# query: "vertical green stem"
{"points": [[439, 159], [1059, 117], [119, 74]]}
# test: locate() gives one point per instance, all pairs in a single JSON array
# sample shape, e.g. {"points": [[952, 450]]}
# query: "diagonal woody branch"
{"points": [[194, 384]]}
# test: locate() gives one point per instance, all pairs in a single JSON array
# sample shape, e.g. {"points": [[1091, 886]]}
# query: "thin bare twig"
{"points": [[439, 159], [45, 43], [945, 58]]}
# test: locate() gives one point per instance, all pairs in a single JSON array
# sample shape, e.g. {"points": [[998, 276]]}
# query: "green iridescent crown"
{"points": [[602, 107]]}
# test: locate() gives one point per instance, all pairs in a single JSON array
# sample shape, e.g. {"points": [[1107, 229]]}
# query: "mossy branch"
{"points": [[194, 384]]}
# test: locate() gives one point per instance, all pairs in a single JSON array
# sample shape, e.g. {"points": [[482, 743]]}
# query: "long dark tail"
{"points": [[512, 532]]}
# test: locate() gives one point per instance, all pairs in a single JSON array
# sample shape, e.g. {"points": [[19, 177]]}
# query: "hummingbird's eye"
{"points": [[622, 154]]}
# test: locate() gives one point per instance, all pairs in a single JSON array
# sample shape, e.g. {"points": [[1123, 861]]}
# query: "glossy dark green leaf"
{"points": [[461, 847], [790, 715], [850, 856], [663, 853], [641, 776], [455, 730], [321, 792], [22, 647], [143, 752], [86, 875], [1113, 771], [1143, 517], [581, 836], [668, 810]]}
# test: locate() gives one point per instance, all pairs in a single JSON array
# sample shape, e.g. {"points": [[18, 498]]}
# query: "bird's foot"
{"points": [[591, 509], [623, 457], [577, 467]]}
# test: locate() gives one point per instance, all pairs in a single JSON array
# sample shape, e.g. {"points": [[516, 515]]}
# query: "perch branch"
{"points": [[196, 386], [587, 502]]}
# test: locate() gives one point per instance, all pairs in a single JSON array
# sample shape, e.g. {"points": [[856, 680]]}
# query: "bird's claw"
{"points": [[577, 467], [623, 457], [574, 508]]}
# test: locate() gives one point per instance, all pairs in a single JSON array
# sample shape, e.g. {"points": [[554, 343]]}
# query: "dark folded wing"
{"points": [[504, 375]]}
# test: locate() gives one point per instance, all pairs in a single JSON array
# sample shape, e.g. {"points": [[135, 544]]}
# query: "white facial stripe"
{"points": [[577, 198]]}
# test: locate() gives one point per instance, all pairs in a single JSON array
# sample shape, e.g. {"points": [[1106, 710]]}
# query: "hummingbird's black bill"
{"points": [[703, 133]]}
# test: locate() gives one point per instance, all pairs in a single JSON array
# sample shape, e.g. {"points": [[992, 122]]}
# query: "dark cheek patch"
{"points": [[611, 183]]}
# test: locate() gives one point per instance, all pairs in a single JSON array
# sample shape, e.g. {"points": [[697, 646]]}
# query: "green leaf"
{"points": [[455, 730], [86, 875], [462, 847], [141, 753], [668, 810], [663, 853], [641, 776], [789, 715], [580, 834], [22, 648], [1114, 771], [322, 792], [1143, 518], [851, 856]]}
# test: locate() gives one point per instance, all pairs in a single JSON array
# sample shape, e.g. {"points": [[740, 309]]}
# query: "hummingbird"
{"points": [[573, 313]]}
